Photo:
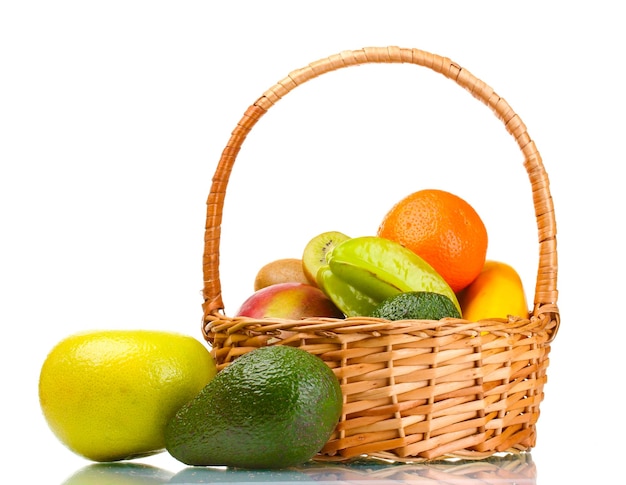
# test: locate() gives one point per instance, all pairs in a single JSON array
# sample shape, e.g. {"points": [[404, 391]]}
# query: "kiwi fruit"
{"points": [[280, 271], [314, 254]]}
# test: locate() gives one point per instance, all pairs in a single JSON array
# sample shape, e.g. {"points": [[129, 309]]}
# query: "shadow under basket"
{"points": [[413, 390]]}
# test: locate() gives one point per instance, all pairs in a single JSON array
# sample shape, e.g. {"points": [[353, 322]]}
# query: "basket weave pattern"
{"points": [[416, 389]]}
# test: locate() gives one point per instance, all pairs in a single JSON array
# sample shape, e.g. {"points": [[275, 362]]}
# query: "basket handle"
{"points": [[545, 298]]}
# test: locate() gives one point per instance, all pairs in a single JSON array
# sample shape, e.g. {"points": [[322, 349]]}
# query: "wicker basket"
{"points": [[413, 390]]}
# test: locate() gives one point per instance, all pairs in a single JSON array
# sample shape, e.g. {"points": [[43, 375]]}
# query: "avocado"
{"points": [[273, 407], [416, 305]]}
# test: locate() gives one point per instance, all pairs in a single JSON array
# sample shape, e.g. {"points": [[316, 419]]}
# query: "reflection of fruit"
{"points": [[378, 268], [280, 271], [119, 474], [314, 255], [273, 407], [289, 300], [444, 230], [416, 305], [497, 292], [241, 476], [107, 395]]}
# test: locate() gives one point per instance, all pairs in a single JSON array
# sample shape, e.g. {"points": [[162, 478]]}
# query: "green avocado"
{"points": [[273, 407], [416, 305]]}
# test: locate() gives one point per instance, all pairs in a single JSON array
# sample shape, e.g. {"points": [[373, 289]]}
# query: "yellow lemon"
{"points": [[108, 395], [497, 292]]}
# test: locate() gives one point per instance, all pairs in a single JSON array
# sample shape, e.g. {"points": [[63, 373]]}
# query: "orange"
{"points": [[444, 230]]}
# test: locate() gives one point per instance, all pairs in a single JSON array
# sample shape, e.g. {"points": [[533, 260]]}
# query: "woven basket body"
{"points": [[413, 390]]}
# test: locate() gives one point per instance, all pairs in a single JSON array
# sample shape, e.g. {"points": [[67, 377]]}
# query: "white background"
{"points": [[113, 116]]}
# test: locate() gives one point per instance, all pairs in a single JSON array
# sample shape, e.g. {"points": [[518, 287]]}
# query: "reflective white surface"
{"points": [[497, 471], [113, 115]]}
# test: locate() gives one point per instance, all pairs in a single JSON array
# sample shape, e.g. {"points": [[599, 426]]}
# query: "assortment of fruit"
{"points": [[430, 247], [116, 395]]}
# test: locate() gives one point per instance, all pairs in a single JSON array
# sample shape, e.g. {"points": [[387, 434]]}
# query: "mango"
{"points": [[497, 292]]}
